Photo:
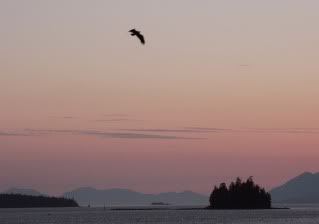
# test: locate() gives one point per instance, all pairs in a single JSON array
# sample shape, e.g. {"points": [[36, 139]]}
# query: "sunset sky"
{"points": [[221, 89]]}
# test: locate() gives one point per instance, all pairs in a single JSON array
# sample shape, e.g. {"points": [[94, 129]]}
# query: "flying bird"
{"points": [[138, 34]]}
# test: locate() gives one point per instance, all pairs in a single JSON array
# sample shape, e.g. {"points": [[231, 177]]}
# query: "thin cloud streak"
{"points": [[284, 130], [205, 129], [112, 120], [185, 130], [159, 130], [116, 115], [14, 134], [63, 117], [106, 134], [68, 117], [151, 133], [228, 130], [129, 135]]}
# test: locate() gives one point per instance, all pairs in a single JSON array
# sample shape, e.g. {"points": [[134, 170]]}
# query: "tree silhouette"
{"points": [[240, 195]]}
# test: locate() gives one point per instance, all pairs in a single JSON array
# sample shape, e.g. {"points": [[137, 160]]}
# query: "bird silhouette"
{"points": [[138, 34]]}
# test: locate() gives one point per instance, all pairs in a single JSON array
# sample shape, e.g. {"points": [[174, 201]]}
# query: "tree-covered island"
{"points": [[240, 195]]}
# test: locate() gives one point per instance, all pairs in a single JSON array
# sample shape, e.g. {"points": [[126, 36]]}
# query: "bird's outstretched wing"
{"points": [[141, 37]]}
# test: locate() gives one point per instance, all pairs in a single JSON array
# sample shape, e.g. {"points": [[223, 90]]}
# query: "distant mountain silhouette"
{"points": [[23, 191], [301, 189], [115, 197]]}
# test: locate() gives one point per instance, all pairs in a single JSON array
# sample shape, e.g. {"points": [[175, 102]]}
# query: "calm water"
{"points": [[98, 215]]}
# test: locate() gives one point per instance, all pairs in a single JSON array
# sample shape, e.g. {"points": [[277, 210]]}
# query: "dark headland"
{"points": [[28, 201]]}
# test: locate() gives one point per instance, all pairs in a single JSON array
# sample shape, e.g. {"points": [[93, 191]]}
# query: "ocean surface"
{"points": [[100, 215]]}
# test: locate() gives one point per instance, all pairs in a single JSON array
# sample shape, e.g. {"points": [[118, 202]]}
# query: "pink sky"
{"points": [[221, 89]]}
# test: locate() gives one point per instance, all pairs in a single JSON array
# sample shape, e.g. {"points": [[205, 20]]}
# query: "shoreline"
{"points": [[187, 209]]}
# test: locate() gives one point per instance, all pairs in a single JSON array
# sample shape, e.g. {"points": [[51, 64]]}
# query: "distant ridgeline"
{"points": [[240, 195], [27, 201]]}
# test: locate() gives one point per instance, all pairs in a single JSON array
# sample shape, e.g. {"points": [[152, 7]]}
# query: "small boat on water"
{"points": [[160, 203]]}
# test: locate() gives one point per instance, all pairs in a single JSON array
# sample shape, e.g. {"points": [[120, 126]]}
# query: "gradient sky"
{"points": [[221, 89]]}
